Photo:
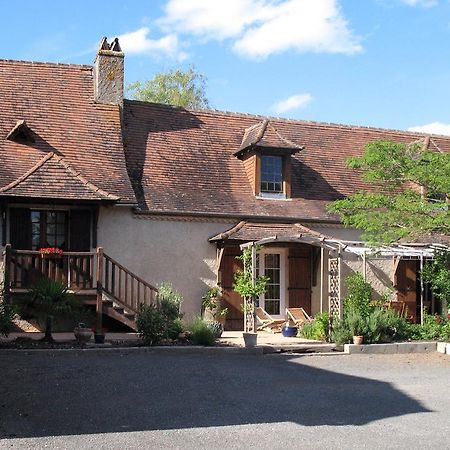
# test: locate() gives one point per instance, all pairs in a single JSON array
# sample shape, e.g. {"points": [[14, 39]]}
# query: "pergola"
{"points": [[336, 248]]}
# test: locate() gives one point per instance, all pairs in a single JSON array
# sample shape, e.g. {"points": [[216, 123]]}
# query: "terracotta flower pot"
{"points": [[358, 340]]}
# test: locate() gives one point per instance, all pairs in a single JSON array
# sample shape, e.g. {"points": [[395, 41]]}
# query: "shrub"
{"points": [[359, 295], [163, 320], [317, 329], [434, 328], [7, 314], [151, 324], [216, 328], [201, 332]]}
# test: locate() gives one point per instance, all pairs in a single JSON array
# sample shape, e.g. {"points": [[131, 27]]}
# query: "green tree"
{"points": [[178, 87], [48, 300], [410, 195]]}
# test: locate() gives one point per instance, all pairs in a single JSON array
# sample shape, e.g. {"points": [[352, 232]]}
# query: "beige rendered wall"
{"points": [[163, 250], [378, 273]]}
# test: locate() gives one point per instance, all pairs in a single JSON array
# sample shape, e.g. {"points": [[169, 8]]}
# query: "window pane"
{"points": [[271, 173], [35, 216], [272, 306]]}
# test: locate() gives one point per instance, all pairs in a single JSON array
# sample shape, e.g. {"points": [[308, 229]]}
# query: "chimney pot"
{"points": [[109, 73]]}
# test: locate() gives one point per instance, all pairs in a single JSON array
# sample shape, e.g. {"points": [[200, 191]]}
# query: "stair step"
{"points": [[129, 315], [107, 302], [119, 309]]}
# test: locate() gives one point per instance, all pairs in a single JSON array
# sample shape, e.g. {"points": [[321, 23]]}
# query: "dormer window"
{"points": [[267, 158], [271, 174]]}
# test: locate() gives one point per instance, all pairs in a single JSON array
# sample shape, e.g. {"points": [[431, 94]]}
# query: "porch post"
{"points": [[421, 289], [364, 266], [7, 274], [99, 303], [322, 269], [253, 321]]}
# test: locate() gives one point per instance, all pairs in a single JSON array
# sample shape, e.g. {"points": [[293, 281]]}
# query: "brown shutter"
{"points": [[20, 228], [232, 300], [80, 230], [300, 277]]}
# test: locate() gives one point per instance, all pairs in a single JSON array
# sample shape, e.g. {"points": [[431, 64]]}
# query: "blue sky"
{"points": [[383, 63]]}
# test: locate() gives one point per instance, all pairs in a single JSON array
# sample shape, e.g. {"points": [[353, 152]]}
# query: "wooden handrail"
{"points": [[111, 260], [124, 286]]}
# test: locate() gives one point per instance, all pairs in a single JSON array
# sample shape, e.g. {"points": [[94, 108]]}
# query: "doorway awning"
{"points": [[260, 233]]}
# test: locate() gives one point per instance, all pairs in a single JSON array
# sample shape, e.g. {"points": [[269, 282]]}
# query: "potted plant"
{"points": [[213, 310], [83, 333], [249, 289], [289, 331], [99, 335], [357, 326]]}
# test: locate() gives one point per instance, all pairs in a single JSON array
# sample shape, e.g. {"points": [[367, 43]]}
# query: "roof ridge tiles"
{"points": [[260, 117], [45, 63]]}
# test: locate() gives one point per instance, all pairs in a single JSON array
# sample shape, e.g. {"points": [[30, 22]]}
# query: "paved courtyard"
{"points": [[134, 399]]}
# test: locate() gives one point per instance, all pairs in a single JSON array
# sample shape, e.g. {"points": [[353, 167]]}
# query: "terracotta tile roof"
{"points": [[255, 231], [181, 161], [53, 178], [56, 102], [264, 134]]}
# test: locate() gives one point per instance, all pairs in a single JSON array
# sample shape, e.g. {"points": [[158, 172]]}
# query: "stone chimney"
{"points": [[108, 73]]}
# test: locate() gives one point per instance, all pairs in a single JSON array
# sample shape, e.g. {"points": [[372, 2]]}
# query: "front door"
{"points": [[272, 263]]}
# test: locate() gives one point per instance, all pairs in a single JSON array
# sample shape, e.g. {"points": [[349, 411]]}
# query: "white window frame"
{"points": [[283, 263]]}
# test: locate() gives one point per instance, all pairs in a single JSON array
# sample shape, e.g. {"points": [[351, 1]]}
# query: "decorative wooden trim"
{"points": [[287, 176], [257, 189]]}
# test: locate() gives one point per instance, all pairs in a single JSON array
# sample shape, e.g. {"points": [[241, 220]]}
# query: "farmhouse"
{"points": [[136, 193]]}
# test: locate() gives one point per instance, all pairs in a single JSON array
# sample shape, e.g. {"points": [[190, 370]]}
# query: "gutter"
{"points": [[282, 219]]}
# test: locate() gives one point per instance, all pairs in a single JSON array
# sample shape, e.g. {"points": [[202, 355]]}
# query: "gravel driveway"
{"points": [[120, 400]]}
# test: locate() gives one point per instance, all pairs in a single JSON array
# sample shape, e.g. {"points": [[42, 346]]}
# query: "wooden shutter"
{"points": [[232, 300], [300, 277], [80, 230], [20, 228]]}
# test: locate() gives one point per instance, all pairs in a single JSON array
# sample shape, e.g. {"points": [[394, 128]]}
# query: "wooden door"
{"points": [[406, 284], [231, 299], [299, 286]]}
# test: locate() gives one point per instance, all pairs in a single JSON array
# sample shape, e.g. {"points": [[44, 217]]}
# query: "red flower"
{"points": [[50, 251]]}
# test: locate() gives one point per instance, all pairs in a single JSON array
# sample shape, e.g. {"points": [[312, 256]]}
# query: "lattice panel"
{"points": [[249, 317], [334, 287]]}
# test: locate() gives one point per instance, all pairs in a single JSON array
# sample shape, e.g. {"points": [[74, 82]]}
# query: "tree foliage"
{"points": [[410, 195], [185, 88], [437, 273]]}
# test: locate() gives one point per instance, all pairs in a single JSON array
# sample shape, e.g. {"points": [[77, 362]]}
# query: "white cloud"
{"points": [[433, 128], [260, 28], [138, 42], [423, 3], [292, 102]]}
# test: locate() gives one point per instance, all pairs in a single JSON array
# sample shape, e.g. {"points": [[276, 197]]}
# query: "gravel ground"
{"points": [[128, 400]]}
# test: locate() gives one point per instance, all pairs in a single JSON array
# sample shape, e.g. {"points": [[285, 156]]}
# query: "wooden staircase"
{"points": [[99, 279]]}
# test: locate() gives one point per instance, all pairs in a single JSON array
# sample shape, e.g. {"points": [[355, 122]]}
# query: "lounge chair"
{"points": [[297, 317], [266, 322]]}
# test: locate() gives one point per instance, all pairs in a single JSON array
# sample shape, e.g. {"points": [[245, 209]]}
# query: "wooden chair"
{"points": [[297, 316], [398, 306], [266, 322]]}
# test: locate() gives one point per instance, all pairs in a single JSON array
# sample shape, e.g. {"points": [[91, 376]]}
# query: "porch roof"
{"points": [[53, 178], [267, 233]]}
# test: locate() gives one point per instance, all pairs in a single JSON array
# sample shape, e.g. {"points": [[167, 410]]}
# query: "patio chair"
{"points": [[297, 316], [398, 306], [266, 322]]}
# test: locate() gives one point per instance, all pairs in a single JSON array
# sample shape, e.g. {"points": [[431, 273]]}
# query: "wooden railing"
{"points": [[81, 272], [128, 288], [74, 269]]}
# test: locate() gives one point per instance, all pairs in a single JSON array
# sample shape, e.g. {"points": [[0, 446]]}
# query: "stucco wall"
{"points": [[378, 273], [163, 250]]}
